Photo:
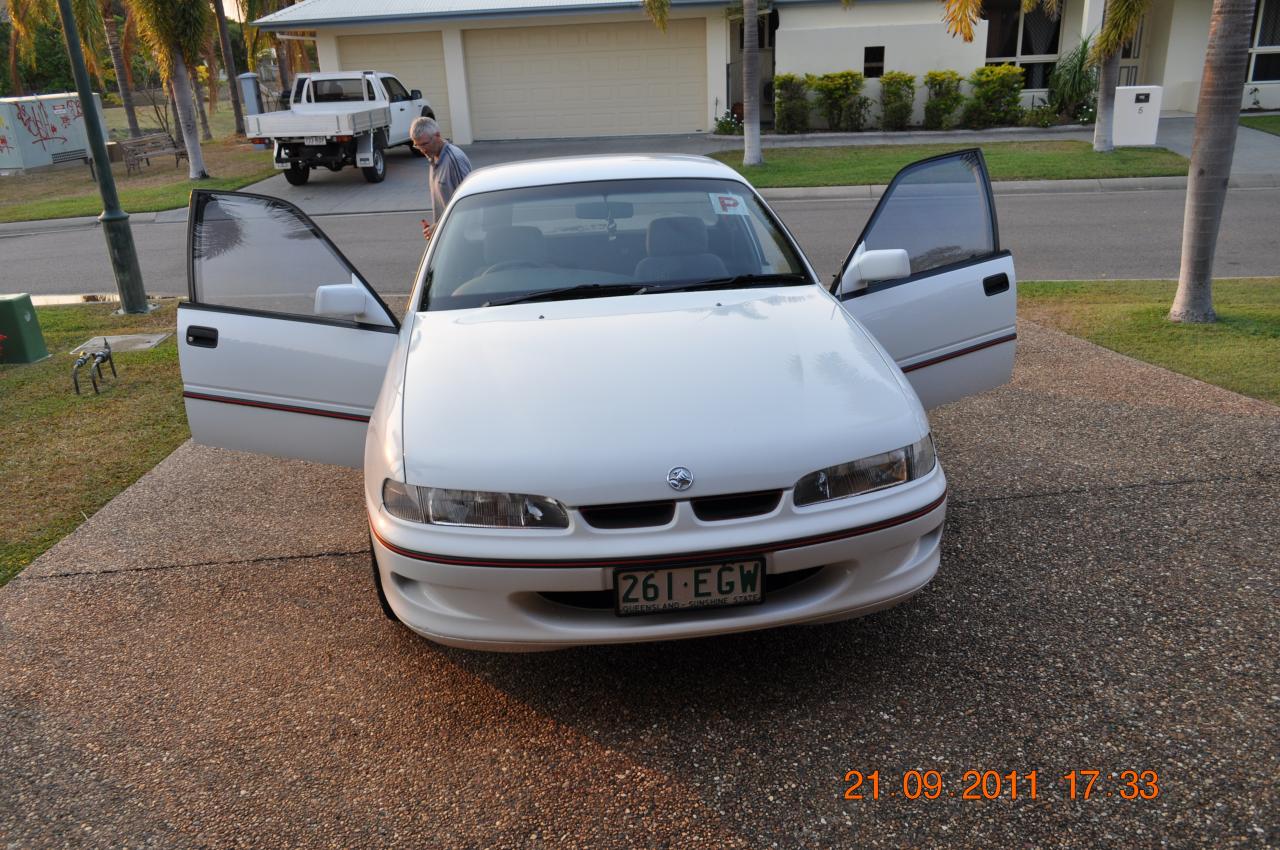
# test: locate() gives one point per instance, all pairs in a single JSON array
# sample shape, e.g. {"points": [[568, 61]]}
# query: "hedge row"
{"points": [[994, 94]]}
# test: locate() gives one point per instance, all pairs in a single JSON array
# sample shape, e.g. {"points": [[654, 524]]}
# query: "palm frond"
{"points": [[960, 16], [657, 10], [1120, 22]]}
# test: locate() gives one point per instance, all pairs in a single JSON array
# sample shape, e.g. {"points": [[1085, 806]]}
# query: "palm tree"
{"points": [[1217, 117], [176, 30], [229, 63], [26, 17], [112, 29], [1120, 22], [751, 155]]}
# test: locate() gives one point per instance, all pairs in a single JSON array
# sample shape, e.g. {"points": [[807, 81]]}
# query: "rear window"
{"points": [[337, 91]]}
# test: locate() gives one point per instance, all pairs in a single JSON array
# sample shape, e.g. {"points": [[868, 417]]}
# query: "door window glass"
{"points": [[938, 211], [260, 254], [394, 89]]}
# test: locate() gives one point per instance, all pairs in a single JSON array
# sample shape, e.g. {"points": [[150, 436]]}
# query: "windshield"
{"points": [[644, 234]]}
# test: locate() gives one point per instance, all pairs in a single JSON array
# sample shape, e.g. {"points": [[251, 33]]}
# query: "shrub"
{"points": [[840, 99], [791, 103], [944, 99], [897, 99], [728, 124], [994, 101], [1073, 85], [1040, 116]]}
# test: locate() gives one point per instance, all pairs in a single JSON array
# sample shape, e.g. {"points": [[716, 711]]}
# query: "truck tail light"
{"points": [[258, 141], [344, 138]]}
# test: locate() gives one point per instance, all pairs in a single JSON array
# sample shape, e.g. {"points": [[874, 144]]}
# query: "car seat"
{"points": [[677, 247]]}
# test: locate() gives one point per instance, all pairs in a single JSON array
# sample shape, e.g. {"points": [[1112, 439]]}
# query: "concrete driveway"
{"points": [[203, 664]]}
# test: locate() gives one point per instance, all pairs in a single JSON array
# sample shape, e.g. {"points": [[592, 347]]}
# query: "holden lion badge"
{"points": [[680, 478]]}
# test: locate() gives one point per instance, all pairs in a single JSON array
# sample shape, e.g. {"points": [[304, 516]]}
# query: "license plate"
{"points": [[316, 140], [722, 584]]}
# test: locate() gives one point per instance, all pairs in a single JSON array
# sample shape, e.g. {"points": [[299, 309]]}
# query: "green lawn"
{"points": [[68, 190], [1265, 123], [876, 164], [68, 455], [1240, 352]]}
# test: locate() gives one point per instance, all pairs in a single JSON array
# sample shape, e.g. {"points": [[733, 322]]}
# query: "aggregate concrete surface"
{"points": [[204, 664]]}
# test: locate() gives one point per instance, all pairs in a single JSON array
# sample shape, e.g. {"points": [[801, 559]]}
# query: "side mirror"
{"points": [[416, 94], [872, 266], [340, 301]]}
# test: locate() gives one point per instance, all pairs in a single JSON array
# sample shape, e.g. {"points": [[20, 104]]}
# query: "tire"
{"points": [[377, 584], [297, 175], [427, 113], [415, 152], [377, 172]]}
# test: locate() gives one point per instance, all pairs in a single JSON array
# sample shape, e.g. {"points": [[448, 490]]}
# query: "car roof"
{"points": [[586, 169]]}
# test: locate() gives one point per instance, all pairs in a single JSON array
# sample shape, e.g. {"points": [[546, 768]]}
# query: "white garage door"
{"points": [[542, 82], [415, 59]]}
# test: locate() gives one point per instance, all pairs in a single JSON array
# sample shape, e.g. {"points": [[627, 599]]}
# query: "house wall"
{"points": [[1182, 50], [821, 39]]}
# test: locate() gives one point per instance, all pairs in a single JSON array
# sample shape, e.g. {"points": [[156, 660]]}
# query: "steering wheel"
{"points": [[505, 265]]}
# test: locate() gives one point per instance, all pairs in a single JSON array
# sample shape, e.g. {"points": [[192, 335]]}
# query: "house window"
{"points": [[1265, 52], [873, 62], [1026, 39]]}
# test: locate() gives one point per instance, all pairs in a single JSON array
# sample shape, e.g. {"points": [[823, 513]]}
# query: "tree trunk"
{"points": [[187, 119], [229, 64], [15, 75], [1108, 77], [173, 110], [282, 62], [205, 134], [117, 64], [750, 85], [1217, 117]]}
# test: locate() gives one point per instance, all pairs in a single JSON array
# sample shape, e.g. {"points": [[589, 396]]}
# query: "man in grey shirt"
{"points": [[449, 166]]}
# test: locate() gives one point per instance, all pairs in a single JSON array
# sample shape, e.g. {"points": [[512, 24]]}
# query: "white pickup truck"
{"points": [[336, 119]]}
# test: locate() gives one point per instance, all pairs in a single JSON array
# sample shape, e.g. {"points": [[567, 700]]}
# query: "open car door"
{"points": [[283, 345], [928, 279]]}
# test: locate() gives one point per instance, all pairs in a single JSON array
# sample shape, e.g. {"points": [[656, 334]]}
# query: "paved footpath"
{"points": [[203, 663]]}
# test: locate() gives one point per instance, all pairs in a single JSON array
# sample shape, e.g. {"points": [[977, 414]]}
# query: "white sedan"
{"points": [[621, 406]]}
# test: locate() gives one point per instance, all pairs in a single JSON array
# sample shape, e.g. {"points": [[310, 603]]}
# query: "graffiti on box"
{"points": [[34, 117], [5, 147]]}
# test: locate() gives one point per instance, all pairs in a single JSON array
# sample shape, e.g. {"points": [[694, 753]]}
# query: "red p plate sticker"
{"points": [[728, 204]]}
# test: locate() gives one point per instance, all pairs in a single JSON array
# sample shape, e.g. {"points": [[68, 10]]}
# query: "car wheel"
{"points": [[414, 151], [377, 172], [297, 175], [427, 113], [377, 584]]}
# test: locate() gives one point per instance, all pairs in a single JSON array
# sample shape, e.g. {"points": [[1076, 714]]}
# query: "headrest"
{"points": [[677, 235], [514, 243]]}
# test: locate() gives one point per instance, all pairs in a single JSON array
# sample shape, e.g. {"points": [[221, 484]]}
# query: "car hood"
{"points": [[594, 401]]}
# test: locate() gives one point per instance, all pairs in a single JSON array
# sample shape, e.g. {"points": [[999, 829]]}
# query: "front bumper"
{"points": [[868, 554]]}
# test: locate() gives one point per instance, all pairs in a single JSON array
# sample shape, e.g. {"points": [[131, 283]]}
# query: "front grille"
{"points": [[602, 600], [629, 514], [735, 505]]}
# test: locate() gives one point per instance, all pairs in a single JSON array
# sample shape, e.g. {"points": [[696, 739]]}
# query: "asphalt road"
{"points": [[204, 664], [1091, 235]]}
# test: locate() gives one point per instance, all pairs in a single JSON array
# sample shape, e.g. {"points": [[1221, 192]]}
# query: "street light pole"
{"points": [[115, 221]]}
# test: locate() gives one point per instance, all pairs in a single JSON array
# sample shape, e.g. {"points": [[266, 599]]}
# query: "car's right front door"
{"points": [[949, 319]]}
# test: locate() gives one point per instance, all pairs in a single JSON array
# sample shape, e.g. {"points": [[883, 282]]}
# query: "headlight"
{"points": [[868, 474], [438, 506]]}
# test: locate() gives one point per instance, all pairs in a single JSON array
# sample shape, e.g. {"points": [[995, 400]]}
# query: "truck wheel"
{"points": [[297, 175], [377, 172]]}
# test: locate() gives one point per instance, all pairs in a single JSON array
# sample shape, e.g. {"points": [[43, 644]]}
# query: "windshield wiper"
{"points": [[582, 290], [740, 281]]}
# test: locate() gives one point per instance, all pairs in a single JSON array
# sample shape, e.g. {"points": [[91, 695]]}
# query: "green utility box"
{"points": [[23, 342]]}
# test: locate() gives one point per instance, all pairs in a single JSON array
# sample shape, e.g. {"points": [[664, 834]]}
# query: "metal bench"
{"points": [[140, 150]]}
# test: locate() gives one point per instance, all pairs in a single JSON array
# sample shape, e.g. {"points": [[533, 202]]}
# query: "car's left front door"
{"points": [[262, 371]]}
